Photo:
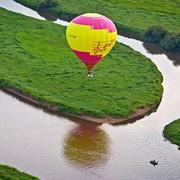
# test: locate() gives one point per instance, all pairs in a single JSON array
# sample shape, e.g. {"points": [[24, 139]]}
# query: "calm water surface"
{"points": [[55, 148]]}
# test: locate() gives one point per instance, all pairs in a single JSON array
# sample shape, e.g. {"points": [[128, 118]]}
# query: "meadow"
{"points": [[10, 173], [129, 15], [36, 59], [172, 132]]}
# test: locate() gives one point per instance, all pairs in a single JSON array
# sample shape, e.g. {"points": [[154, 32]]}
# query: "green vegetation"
{"points": [[44, 4], [36, 59], [155, 34], [172, 132], [10, 173], [168, 41], [128, 15], [171, 42]]}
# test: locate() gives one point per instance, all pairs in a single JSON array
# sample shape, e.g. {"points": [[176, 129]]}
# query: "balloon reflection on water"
{"points": [[86, 146]]}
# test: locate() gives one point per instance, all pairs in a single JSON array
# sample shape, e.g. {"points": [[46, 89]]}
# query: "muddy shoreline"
{"points": [[140, 113]]}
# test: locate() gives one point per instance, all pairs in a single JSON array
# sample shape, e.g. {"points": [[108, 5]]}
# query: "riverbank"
{"points": [[8, 173], [172, 132], [131, 18], [140, 113], [37, 61]]}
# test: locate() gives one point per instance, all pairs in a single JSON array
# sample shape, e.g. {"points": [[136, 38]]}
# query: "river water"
{"points": [[56, 148]]}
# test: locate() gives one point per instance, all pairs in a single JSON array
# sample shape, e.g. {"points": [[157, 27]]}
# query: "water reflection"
{"points": [[86, 146], [48, 16], [53, 17], [153, 48]]}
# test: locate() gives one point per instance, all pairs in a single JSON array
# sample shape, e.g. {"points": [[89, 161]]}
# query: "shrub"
{"points": [[172, 132], [155, 34], [45, 4], [171, 42]]}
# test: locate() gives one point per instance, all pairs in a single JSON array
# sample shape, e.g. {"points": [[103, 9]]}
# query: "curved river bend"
{"points": [[55, 148]]}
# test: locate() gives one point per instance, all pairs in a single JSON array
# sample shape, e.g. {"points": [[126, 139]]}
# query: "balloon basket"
{"points": [[90, 75]]}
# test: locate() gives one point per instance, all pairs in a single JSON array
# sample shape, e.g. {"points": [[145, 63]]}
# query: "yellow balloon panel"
{"points": [[84, 38]]}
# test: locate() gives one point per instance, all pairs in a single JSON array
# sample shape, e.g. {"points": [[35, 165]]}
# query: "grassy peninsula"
{"points": [[172, 132], [10, 173], [36, 59]]}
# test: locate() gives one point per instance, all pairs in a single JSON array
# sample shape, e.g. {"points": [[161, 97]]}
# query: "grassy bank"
{"points": [[172, 132], [128, 15], [36, 59], [10, 173]]}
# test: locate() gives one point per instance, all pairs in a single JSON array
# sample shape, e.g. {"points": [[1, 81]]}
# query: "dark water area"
{"points": [[153, 48], [53, 147], [48, 16]]}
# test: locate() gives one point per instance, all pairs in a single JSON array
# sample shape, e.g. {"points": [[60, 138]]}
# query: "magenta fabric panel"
{"points": [[101, 22], [87, 58]]}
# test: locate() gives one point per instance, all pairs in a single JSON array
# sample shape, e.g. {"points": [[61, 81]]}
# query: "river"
{"points": [[55, 148]]}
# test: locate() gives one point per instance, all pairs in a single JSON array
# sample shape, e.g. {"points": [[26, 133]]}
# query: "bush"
{"points": [[172, 132], [171, 42], [155, 34], [45, 4]]}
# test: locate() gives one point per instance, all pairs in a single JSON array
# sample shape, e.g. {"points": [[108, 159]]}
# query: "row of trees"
{"points": [[167, 40]]}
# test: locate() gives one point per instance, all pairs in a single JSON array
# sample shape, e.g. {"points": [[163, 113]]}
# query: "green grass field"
{"points": [[128, 15], [36, 59], [172, 132], [10, 173]]}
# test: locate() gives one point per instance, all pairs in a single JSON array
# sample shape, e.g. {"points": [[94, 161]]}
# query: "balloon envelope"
{"points": [[91, 36]]}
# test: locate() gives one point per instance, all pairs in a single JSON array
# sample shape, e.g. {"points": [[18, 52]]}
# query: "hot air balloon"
{"points": [[91, 36]]}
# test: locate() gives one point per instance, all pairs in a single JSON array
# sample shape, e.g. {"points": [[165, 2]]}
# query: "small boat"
{"points": [[154, 163]]}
